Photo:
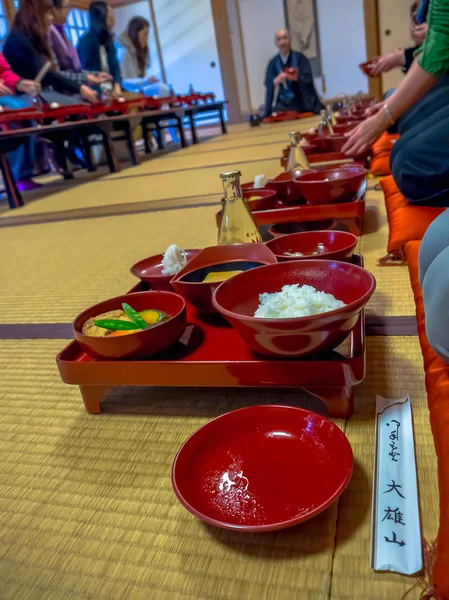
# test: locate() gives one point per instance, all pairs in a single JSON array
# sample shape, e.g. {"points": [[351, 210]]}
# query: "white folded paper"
{"points": [[395, 525]]}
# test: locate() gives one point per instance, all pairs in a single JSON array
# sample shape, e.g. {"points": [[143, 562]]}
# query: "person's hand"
{"points": [[4, 90], [117, 91], [419, 33], [386, 63], [98, 79], [153, 80], [372, 110], [365, 134], [27, 86], [280, 79], [88, 94]]}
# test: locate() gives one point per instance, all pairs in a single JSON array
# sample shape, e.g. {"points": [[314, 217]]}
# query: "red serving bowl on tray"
{"points": [[189, 282], [286, 189], [265, 199], [238, 298], [337, 141], [339, 184], [342, 128], [149, 270], [339, 245], [288, 228], [262, 468], [142, 343], [322, 143]]}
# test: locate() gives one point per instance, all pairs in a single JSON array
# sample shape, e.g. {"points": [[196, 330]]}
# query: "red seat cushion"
{"points": [[437, 386], [406, 222], [380, 162]]}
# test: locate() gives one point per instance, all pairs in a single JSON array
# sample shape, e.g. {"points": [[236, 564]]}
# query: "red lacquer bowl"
{"points": [[200, 293], [289, 228], [352, 118], [339, 245], [341, 128], [331, 185], [285, 188], [366, 67], [322, 143], [262, 468], [238, 299], [265, 199], [150, 271], [143, 343], [337, 141]]}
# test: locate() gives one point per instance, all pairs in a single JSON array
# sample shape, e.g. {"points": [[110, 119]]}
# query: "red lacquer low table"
{"points": [[211, 354]]}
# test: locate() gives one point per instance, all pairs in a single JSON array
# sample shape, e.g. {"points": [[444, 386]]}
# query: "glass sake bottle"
{"points": [[325, 125], [330, 115], [236, 222], [297, 159]]}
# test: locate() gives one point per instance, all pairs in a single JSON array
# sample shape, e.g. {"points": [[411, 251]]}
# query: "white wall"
{"points": [[260, 19], [187, 36], [342, 39]]}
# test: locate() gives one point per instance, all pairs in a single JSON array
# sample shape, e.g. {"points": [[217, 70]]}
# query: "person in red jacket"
{"points": [[16, 93]]}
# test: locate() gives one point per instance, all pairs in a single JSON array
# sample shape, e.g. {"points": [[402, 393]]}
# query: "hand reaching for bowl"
{"points": [[419, 33], [366, 133], [27, 86], [387, 63], [98, 78], [280, 79], [4, 90], [88, 94]]}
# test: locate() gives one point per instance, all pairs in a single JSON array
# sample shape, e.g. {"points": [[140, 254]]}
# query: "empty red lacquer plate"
{"points": [[338, 245], [150, 270], [262, 468]]}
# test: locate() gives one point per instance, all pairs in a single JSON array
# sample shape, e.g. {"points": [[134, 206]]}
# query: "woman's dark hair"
{"points": [[30, 20], [57, 3], [98, 11], [135, 26]]}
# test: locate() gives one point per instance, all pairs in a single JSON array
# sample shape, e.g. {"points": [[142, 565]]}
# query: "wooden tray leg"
{"points": [[339, 401], [92, 396], [354, 225]]}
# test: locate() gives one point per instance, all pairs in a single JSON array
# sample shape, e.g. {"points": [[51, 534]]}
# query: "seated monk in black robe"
{"points": [[289, 80]]}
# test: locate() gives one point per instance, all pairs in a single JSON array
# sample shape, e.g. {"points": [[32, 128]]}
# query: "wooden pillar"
{"points": [[371, 13], [225, 54], [158, 41], [9, 9]]}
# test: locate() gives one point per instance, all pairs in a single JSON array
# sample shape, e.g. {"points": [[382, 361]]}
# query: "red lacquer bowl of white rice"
{"points": [[277, 314]]}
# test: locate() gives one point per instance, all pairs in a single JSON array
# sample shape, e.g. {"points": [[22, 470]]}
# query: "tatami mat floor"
{"points": [[87, 509]]}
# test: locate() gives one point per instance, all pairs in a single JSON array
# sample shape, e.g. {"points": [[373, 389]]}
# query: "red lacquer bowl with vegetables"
{"points": [[131, 326]]}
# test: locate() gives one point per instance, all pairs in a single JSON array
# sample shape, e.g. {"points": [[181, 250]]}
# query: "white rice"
{"points": [[174, 260], [295, 301]]}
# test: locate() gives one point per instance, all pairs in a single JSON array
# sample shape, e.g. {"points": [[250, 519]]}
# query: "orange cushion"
{"points": [[380, 165], [437, 385], [406, 222], [384, 144]]}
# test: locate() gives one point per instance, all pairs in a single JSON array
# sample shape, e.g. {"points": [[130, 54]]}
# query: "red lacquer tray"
{"points": [[211, 354], [348, 213]]}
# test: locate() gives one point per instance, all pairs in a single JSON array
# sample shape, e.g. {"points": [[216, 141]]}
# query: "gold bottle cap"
{"points": [[230, 175]]}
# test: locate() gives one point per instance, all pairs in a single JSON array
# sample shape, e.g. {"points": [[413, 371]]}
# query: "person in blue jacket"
{"points": [[96, 48], [289, 80]]}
